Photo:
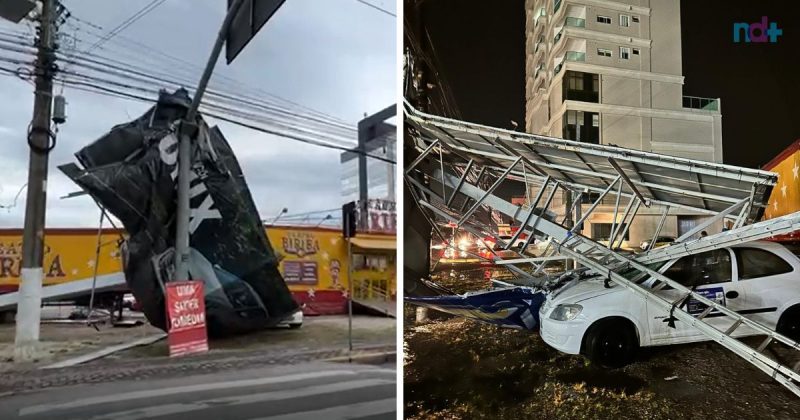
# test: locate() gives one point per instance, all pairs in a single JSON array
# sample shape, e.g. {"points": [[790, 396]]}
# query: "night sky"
{"points": [[480, 46]]}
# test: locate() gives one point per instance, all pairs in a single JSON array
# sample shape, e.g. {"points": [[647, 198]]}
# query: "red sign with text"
{"points": [[187, 318]]}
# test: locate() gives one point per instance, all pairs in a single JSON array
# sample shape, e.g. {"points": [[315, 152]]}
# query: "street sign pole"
{"points": [[187, 132]]}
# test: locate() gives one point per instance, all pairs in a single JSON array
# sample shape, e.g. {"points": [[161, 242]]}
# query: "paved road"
{"points": [[304, 391]]}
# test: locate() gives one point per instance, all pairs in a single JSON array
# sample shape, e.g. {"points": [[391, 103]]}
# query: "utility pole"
{"points": [[41, 141]]}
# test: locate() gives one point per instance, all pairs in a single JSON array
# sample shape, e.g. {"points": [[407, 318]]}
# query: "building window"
{"points": [[624, 53], [624, 20], [635, 19], [604, 19], [579, 86], [635, 51], [579, 125], [603, 52], [602, 231], [596, 120], [589, 197]]}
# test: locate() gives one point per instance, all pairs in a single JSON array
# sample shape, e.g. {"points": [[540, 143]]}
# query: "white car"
{"points": [[758, 279], [294, 320]]}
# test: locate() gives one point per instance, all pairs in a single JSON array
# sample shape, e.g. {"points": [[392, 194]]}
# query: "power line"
{"points": [[126, 23], [14, 203], [366, 3], [148, 51], [231, 105], [98, 89]]}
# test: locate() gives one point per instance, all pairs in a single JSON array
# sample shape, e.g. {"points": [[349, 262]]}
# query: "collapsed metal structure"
{"points": [[458, 166]]}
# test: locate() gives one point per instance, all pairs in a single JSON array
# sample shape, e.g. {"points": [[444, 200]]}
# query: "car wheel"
{"points": [[611, 343], [789, 323]]}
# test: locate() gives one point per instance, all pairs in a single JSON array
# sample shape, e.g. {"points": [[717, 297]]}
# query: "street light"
{"points": [[279, 215], [328, 217]]}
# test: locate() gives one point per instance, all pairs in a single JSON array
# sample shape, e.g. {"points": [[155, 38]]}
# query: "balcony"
{"points": [[575, 56], [704, 104], [575, 22]]}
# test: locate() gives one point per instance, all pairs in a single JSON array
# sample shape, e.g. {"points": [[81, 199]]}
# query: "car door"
{"points": [[763, 279], [709, 274]]}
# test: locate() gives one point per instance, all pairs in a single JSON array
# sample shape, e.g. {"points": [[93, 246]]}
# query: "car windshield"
{"points": [[633, 273]]}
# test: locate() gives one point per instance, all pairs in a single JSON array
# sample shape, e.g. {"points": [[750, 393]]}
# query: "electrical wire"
{"points": [[366, 3], [120, 94], [16, 197], [126, 23], [239, 97]]}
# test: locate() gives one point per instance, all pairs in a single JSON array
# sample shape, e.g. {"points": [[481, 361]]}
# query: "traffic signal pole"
{"points": [[187, 132], [41, 140]]}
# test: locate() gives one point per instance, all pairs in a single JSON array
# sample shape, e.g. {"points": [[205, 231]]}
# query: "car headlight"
{"points": [[565, 312]]}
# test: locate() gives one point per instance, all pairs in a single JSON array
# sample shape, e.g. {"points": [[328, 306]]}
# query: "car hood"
{"points": [[583, 290]]}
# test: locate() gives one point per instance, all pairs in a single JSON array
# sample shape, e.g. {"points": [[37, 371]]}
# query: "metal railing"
{"points": [[365, 289], [705, 104]]}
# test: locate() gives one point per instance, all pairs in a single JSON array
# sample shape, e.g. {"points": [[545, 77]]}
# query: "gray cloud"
{"points": [[337, 57]]}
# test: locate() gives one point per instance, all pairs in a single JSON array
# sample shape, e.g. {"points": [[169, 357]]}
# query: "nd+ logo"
{"points": [[758, 32]]}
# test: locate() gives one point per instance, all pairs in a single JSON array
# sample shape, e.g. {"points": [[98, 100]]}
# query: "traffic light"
{"points": [[349, 220]]}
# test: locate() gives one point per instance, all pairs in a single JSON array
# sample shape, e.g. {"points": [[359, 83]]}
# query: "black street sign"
{"points": [[249, 19]]}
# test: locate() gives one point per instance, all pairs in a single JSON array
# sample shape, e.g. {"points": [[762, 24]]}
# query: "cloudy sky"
{"points": [[337, 57]]}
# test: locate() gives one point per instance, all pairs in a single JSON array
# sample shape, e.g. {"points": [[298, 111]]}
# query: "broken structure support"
{"points": [[488, 192], [628, 181], [658, 228], [706, 223], [530, 213], [595, 204]]}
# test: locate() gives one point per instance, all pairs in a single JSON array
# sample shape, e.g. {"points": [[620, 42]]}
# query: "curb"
{"points": [[105, 352], [368, 358]]}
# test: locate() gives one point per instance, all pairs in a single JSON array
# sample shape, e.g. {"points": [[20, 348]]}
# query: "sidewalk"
{"points": [[320, 338], [66, 340]]}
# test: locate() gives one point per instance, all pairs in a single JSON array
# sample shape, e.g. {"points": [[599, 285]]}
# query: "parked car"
{"points": [[758, 279], [660, 241]]}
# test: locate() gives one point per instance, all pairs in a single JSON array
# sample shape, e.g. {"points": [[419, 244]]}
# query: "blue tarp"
{"points": [[514, 307]]}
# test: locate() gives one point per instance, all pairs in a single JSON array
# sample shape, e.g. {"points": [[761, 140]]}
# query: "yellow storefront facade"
{"points": [[313, 261]]}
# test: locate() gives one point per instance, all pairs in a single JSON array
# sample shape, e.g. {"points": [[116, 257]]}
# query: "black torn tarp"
{"points": [[131, 172]]}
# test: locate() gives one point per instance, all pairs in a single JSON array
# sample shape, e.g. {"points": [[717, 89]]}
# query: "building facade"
{"points": [[610, 72], [380, 174], [312, 260]]}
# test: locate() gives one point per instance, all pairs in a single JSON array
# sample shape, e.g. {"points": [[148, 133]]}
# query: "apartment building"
{"points": [[610, 72]]}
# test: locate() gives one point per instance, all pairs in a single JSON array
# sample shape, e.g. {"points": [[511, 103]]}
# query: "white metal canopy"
{"points": [[660, 179]]}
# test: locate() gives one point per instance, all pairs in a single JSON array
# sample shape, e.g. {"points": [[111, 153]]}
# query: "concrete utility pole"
{"points": [[41, 141]]}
